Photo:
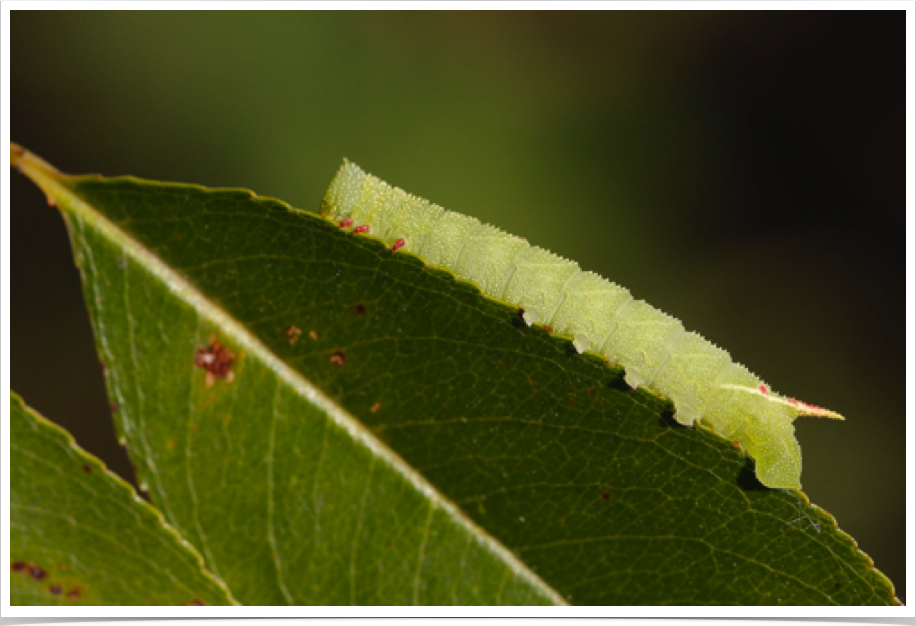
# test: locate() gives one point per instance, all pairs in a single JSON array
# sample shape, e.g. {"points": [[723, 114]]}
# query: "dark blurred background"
{"points": [[743, 171]]}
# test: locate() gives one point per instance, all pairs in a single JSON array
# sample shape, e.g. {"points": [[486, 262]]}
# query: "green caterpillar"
{"points": [[598, 315]]}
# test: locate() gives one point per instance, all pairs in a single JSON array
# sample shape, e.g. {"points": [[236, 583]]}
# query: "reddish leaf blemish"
{"points": [[55, 589], [73, 594], [360, 309], [87, 468], [605, 495], [338, 358], [196, 602], [36, 572], [17, 566], [346, 223], [216, 360], [361, 229], [763, 389], [292, 333], [313, 335], [548, 329], [400, 243], [375, 408]]}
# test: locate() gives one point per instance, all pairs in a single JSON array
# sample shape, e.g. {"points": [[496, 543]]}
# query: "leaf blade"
{"points": [[590, 489], [81, 536]]}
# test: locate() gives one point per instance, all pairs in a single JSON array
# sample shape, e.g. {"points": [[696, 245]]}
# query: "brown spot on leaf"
{"points": [[87, 468], [605, 495], [548, 329], [216, 360], [338, 358], [375, 407], [114, 407], [313, 335], [18, 566], [55, 589], [36, 572], [360, 309], [73, 594], [292, 333], [837, 585], [196, 602]]}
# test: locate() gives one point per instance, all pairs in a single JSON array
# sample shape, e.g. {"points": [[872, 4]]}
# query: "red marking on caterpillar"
{"points": [[346, 223], [361, 229], [400, 243]]}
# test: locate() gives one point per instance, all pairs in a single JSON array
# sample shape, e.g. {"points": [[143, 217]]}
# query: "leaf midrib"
{"points": [[58, 192]]}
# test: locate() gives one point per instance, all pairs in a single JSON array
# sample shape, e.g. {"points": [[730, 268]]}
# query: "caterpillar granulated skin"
{"points": [[596, 314]]}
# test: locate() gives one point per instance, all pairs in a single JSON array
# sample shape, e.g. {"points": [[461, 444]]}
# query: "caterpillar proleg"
{"points": [[597, 315]]}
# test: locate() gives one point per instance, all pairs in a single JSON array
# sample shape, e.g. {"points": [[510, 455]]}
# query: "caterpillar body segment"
{"points": [[538, 284], [590, 310], [688, 377], [344, 193], [654, 348], [487, 258], [642, 342], [415, 223], [447, 238]]}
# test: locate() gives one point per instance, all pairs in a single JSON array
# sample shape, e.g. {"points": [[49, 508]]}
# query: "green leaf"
{"points": [[81, 536], [387, 435]]}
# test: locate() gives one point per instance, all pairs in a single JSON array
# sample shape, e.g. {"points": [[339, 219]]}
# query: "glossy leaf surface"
{"points": [[385, 434], [81, 536]]}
